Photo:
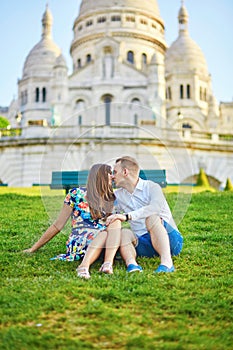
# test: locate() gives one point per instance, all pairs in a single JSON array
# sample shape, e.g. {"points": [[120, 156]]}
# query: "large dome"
{"points": [[185, 55], [128, 22], [149, 6], [42, 57]]}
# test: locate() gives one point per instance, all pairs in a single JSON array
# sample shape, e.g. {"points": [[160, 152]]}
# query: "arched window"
{"points": [[89, 23], [80, 121], [37, 95], [130, 56], [144, 59], [21, 98], [135, 101], [130, 18], [188, 91], [186, 126], [181, 91], [205, 95], [79, 63], [201, 97], [168, 93], [79, 107], [107, 100], [26, 96], [101, 19], [44, 94], [143, 21], [88, 58], [116, 18]]}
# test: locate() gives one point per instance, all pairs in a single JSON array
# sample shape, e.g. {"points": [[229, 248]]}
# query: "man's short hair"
{"points": [[129, 163]]}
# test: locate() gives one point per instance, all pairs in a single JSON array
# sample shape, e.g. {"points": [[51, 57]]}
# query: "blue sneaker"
{"points": [[163, 268], [134, 268]]}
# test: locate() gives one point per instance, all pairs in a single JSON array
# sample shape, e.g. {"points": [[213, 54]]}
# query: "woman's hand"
{"points": [[29, 250], [114, 217]]}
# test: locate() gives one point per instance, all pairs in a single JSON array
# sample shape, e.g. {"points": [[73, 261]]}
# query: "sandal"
{"points": [[83, 272], [106, 268]]}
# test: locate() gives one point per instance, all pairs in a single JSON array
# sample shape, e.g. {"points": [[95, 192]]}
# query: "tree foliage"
{"points": [[4, 122], [229, 185], [202, 179]]}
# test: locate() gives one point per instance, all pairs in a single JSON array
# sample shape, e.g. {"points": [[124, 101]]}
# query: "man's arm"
{"points": [[155, 203]]}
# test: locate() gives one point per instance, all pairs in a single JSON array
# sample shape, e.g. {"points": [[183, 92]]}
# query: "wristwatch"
{"points": [[127, 217]]}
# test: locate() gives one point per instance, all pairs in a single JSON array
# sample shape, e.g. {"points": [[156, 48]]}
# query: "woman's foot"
{"points": [[82, 272], [106, 268]]}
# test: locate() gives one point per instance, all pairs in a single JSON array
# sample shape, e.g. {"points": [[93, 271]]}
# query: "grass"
{"points": [[45, 306]]}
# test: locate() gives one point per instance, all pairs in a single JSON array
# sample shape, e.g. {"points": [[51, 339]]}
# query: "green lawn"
{"points": [[45, 306]]}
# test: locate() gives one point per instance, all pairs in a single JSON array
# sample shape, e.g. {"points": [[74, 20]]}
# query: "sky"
{"points": [[210, 26]]}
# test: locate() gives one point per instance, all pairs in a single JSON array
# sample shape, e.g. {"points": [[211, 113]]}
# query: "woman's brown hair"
{"points": [[100, 195]]}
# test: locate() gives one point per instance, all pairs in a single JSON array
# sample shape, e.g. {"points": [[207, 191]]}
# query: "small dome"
{"points": [[185, 55], [149, 6], [42, 57], [60, 61]]}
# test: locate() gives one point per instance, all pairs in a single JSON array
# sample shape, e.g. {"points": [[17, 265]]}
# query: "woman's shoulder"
{"points": [[78, 191], [75, 194]]}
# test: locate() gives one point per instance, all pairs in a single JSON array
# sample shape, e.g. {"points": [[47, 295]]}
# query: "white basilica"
{"points": [[127, 93], [120, 58]]}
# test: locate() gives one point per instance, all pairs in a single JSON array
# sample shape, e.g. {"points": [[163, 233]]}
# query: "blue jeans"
{"points": [[145, 248]]}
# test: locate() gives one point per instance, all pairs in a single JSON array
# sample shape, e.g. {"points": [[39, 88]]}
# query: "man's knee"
{"points": [[151, 221], [127, 236]]}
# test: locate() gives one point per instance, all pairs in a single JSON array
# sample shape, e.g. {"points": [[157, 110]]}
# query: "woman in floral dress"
{"points": [[88, 208]]}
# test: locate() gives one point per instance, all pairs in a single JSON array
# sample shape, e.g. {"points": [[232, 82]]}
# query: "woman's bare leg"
{"points": [[110, 240], [94, 250], [113, 241]]}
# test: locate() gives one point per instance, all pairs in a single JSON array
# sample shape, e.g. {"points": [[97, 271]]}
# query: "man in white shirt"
{"points": [[154, 232]]}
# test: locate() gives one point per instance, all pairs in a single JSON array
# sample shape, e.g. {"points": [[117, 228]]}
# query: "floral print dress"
{"points": [[84, 228]]}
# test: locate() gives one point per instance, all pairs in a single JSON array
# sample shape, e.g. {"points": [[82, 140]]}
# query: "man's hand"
{"points": [[115, 217]]}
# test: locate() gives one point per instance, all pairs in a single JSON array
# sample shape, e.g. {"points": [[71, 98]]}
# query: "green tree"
{"points": [[229, 186], [202, 179], [4, 122]]}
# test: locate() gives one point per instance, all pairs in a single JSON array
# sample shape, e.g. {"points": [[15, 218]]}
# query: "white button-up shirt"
{"points": [[147, 199]]}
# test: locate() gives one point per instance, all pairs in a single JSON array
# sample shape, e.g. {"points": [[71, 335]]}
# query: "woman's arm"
{"points": [[56, 227], [114, 224], [115, 218]]}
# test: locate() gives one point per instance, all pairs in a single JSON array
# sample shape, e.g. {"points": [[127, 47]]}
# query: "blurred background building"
{"points": [[128, 93]]}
